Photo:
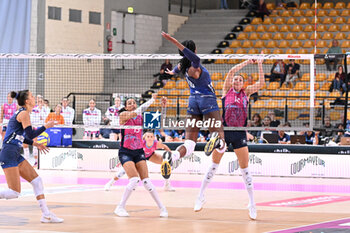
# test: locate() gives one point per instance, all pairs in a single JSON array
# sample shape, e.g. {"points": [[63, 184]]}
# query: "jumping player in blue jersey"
{"points": [[201, 103], [19, 131]]}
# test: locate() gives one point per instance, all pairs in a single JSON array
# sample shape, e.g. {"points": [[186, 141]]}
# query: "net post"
{"points": [[347, 90], [286, 111], [312, 90], [177, 108], [315, 47], [323, 111], [249, 111], [74, 107]]}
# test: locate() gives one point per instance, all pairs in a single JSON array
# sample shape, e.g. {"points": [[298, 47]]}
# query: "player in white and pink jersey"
{"points": [[132, 156], [67, 112], [39, 113], [235, 107], [7, 110], [150, 145], [112, 113], [92, 119]]}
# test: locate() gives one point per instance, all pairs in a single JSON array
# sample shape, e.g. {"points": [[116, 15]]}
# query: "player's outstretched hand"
{"points": [[167, 71], [41, 147], [169, 37]]}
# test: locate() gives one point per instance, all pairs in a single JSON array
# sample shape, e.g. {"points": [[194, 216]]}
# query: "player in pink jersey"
{"points": [[7, 110], [132, 156], [235, 105], [150, 144]]}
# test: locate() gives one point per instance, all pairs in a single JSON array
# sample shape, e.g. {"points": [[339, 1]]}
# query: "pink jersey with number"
{"points": [[235, 108], [149, 150], [9, 110], [132, 138]]}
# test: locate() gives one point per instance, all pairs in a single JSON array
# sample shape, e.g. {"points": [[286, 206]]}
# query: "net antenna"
{"points": [[315, 49]]}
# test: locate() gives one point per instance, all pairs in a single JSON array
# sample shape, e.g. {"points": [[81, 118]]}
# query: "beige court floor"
{"points": [[86, 207]]}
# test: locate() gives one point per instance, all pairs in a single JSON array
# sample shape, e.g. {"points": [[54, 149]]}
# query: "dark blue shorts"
{"points": [[116, 131], [126, 155], [147, 158], [238, 139], [10, 156], [201, 105], [4, 128]]}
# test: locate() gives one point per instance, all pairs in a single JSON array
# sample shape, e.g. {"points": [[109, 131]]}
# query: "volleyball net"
{"points": [[300, 98]]}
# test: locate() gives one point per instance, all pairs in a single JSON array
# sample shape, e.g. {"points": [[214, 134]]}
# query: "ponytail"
{"points": [[21, 96]]}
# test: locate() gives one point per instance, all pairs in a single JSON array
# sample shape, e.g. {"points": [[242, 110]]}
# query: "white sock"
{"points": [[125, 197], [43, 206], [175, 155], [26, 153], [167, 182], [151, 189], [128, 190], [248, 181], [120, 173], [207, 178]]}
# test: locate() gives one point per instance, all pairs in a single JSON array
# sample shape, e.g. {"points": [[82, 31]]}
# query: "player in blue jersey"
{"points": [[19, 131], [201, 103]]}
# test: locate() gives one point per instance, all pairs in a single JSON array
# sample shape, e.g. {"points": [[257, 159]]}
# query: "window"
{"points": [[75, 15], [55, 13], [94, 17]]}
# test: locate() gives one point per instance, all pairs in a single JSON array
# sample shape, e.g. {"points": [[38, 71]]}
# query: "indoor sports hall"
{"points": [[174, 116]]}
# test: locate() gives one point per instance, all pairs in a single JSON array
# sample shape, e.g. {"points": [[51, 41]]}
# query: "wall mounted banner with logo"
{"points": [[79, 159], [257, 148], [261, 164]]}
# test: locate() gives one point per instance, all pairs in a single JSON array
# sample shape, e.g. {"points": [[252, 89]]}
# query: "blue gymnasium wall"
{"points": [[15, 18]]}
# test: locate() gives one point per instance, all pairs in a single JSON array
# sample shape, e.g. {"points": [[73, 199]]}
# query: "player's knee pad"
{"points": [[189, 145], [247, 177], [133, 182], [38, 186], [148, 184], [120, 173], [9, 194], [211, 172], [223, 149]]}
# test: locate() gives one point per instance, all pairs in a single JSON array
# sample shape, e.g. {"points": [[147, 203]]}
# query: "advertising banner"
{"points": [[261, 164]]}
